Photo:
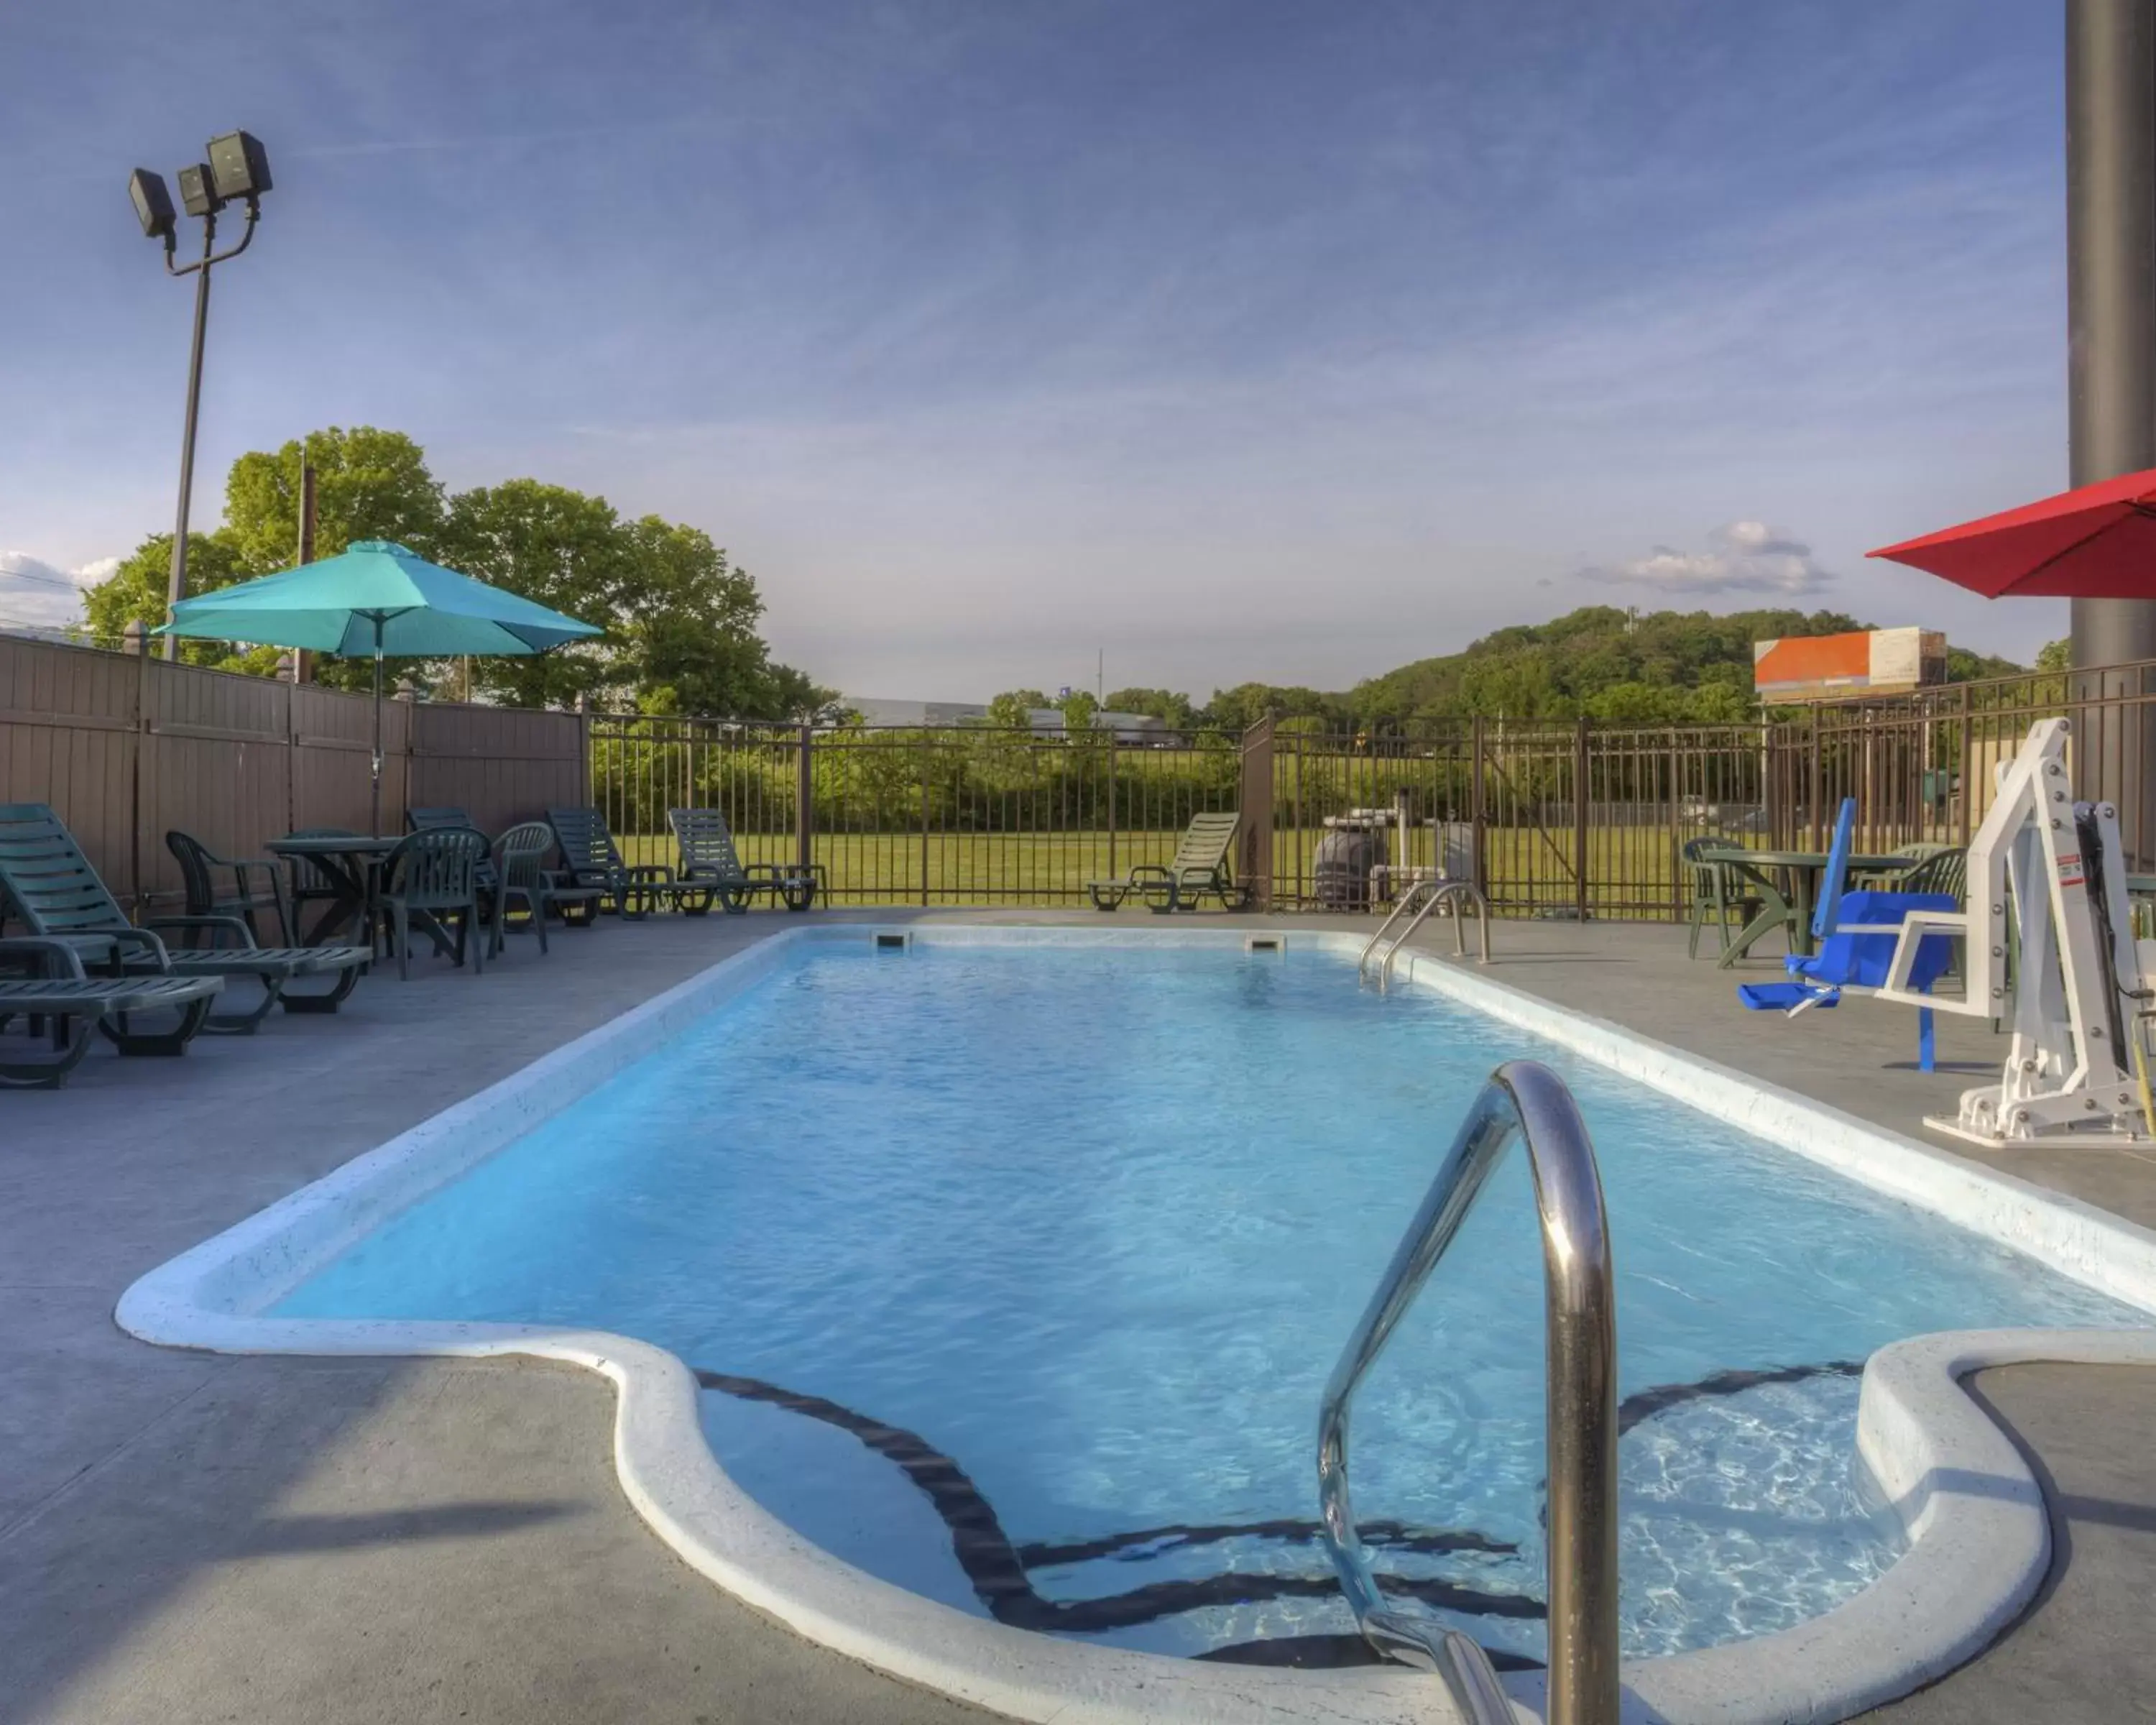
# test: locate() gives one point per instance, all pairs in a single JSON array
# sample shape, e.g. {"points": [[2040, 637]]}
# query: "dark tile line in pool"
{"points": [[997, 1569]]}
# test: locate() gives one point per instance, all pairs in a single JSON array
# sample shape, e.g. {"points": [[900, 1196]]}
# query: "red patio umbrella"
{"points": [[2093, 542]]}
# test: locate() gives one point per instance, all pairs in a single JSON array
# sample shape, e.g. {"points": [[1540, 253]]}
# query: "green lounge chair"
{"points": [[518, 861], [709, 860], [590, 857], [48, 883], [1199, 869], [44, 981]]}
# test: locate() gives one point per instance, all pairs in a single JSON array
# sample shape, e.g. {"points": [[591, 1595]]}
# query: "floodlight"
{"points": [[199, 191], [153, 203], [239, 166]]}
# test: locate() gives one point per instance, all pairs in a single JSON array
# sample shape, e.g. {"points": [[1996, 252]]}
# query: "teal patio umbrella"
{"points": [[378, 599]]}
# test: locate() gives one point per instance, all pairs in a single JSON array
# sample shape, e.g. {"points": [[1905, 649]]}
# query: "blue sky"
{"points": [[1240, 340]]}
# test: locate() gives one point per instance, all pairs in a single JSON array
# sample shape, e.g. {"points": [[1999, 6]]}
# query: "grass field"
{"points": [[1631, 871]]}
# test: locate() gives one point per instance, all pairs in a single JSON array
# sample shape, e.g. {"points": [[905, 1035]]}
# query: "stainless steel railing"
{"points": [[1416, 904], [1448, 891], [1581, 1406]]}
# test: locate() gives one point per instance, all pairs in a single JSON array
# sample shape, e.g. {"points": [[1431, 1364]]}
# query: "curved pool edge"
{"points": [[1980, 1534]]}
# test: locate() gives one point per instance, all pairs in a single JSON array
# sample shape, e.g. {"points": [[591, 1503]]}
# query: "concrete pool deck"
{"points": [[185, 1536]]}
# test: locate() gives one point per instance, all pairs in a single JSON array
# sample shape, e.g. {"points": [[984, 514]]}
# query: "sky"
{"points": [[1227, 339]]}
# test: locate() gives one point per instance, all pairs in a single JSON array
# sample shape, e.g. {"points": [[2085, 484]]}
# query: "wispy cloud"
{"points": [[44, 594], [1744, 556]]}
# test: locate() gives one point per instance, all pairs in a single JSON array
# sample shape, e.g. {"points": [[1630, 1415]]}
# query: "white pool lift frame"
{"points": [[2075, 1071]]}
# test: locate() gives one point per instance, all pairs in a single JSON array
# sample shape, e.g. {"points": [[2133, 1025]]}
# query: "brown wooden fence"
{"points": [[126, 747]]}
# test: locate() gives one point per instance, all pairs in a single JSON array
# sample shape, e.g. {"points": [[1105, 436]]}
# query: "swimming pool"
{"points": [[1012, 1276]]}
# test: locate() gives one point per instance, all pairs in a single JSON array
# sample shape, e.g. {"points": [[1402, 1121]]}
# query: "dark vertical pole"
{"points": [[1478, 815], [1112, 804], [1817, 789], [2111, 317], [176, 585], [1580, 791], [805, 808], [302, 661]]}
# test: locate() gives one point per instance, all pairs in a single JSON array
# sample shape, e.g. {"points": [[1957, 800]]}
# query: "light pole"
{"points": [[238, 169]]}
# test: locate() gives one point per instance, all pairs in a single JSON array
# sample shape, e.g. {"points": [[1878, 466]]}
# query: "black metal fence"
{"points": [[1554, 818]]}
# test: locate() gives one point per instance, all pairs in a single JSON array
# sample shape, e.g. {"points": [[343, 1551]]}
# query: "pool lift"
{"points": [[2076, 1070]]}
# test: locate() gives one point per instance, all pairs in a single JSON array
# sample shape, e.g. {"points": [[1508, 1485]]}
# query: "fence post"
{"points": [[1256, 797], [138, 643], [585, 776], [1478, 811], [1818, 788], [1968, 786], [925, 759], [805, 810], [1112, 802], [1580, 790]]}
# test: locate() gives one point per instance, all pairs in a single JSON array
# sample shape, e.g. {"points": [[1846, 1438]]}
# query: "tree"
{"points": [[560, 549], [2056, 655], [135, 592], [369, 484], [1174, 710], [1078, 708], [1014, 709]]}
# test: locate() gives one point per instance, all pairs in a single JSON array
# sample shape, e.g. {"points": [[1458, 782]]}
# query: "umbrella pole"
{"points": [[375, 830]]}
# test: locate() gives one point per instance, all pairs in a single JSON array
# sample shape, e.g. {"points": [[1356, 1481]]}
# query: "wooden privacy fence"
{"points": [[124, 747], [1560, 818]]}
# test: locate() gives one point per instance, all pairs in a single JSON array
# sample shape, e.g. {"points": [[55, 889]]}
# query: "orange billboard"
{"points": [[1875, 661]]}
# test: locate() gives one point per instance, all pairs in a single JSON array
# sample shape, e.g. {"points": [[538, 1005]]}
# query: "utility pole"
{"points": [[302, 661], [2111, 369]]}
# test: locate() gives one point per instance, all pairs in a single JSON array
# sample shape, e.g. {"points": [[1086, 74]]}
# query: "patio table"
{"points": [[1786, 900], [351, 862]]}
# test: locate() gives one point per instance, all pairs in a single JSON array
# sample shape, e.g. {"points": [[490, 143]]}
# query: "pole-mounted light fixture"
{"points": [[238, 170]]}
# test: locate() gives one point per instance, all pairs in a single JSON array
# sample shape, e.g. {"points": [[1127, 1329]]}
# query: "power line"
{"points": [[40, 580]]}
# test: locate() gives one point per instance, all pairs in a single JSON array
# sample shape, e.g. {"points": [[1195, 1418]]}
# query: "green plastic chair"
{"points": [[48, 884], [435, 873], [709, 860], [590, 857], [519, 856], [1199, 869], [1713, 893], [198, 872]]}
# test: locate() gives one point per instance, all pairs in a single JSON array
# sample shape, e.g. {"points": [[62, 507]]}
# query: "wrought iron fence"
{"points": [[1570, 819]]}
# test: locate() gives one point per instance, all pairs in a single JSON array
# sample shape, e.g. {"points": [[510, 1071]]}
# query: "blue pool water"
{"points": [[1014, 1276]]}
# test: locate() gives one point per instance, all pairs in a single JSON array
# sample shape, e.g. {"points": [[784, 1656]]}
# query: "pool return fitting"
{"points": [[1580, 1405]]}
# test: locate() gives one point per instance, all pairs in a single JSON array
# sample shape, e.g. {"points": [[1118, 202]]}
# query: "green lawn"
{"points": [[1631, 869]]}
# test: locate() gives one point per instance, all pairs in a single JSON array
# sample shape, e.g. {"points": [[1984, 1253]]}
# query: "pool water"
{"points": [[1013, 1275]]}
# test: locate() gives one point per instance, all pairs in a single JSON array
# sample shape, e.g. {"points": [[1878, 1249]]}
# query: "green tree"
{"points": [[369, 484], [1012, 710], [560, 549], [1078, 708], [135, 592], [1174, 710], [2056, 655]]}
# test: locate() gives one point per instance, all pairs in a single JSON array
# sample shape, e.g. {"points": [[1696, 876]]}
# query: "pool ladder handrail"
{"points": [[1580, 1408], [1421, 899]]}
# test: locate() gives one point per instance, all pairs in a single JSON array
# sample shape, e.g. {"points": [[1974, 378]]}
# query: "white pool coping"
{"points": [[1979, 1531]]}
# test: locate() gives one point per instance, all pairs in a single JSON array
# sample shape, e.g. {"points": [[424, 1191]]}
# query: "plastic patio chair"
{"points": [[435, 873], [523, 878], [198, 868], [1199, 869], [1713, 893], [709, 860], [590, 857]]}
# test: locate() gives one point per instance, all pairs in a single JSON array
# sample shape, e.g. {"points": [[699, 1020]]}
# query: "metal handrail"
{"points": [[1445, 890], [1580, 1408], [1409, 900]]}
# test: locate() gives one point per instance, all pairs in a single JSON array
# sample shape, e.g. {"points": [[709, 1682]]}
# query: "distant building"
{"points": [[875, 711], [1877, 661], [1141, 730]]}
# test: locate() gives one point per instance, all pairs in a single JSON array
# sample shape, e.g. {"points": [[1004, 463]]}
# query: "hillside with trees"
{"points": [[1600, 662]]}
